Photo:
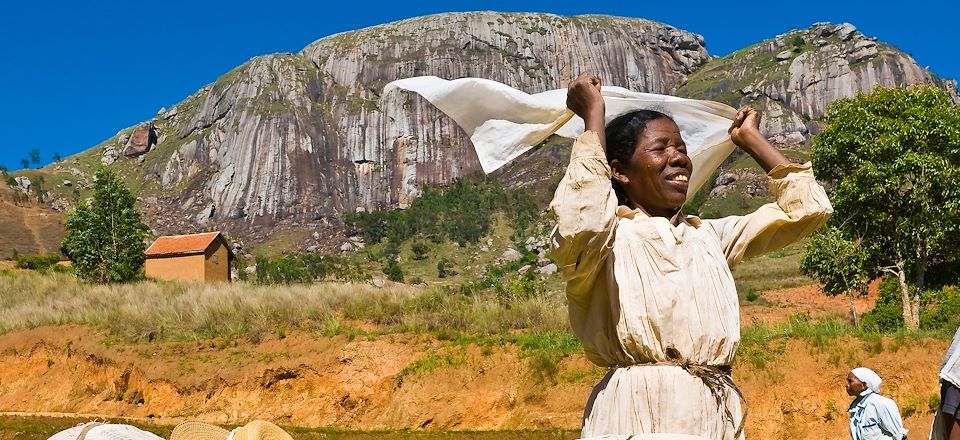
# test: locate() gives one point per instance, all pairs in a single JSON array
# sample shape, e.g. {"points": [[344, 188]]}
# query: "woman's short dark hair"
{"points": [[622, 134]]}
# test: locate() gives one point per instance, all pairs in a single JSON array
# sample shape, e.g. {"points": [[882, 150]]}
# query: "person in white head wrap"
{"points": [[872, 416]]}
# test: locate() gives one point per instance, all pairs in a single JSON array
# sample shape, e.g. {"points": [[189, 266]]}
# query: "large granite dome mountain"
{"points": [[294, 141]]}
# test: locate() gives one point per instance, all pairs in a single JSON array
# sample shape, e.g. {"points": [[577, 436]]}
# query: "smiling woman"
{"points": [[662, 168], [650, 292]]}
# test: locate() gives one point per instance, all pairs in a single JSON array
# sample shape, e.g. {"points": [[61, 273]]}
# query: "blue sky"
{"points": [[74, 74]]}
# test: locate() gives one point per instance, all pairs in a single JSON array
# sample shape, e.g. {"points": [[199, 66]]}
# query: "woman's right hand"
{"points": [[584, 99], [583, 96]]}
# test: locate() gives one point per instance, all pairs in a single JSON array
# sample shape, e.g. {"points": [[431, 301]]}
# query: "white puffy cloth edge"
{"points": [[648, 437], [109, 431], [504, 122]]}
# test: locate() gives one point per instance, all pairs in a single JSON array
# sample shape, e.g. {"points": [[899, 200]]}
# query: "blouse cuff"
{"points": [[587, 146], [782, 170]]}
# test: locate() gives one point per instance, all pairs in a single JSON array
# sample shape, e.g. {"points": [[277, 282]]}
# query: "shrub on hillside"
{"points": [[940, 309], [306, 268], [887, 314], [419, 250], [445, 268], [41, 263], [393, 271]]}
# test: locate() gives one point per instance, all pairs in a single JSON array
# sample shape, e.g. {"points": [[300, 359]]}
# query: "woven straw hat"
{"points": [[255, 430]]}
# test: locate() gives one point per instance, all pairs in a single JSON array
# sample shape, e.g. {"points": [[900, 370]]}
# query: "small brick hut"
{"points": [[195, 257]]}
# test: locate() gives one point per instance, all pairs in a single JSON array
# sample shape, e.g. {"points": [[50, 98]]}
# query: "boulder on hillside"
{"points": [[548, 269], [109, 156], [725, 179], [790, 138], [141, 140], [511, 254], [845, 31], [23, 182]]}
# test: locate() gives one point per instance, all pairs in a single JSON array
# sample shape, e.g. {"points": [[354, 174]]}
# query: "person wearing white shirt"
{"points": [[948, 414], [872, 416]]}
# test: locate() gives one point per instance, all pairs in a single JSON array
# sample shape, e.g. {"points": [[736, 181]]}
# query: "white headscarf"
{"points": [[868, 377], [504, 122]]}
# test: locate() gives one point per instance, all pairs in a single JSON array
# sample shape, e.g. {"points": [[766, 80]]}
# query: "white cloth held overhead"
{"points": [[504, 122], [869, 377]]}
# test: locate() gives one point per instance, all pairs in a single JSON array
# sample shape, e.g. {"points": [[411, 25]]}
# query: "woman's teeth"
{"points": [[679, 178]]}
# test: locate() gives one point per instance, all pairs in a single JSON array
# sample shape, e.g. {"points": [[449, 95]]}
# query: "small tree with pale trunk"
{"points": [[892, 159]]}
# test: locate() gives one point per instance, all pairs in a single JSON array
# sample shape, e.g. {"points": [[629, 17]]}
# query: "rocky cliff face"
{"points": [[794, 76], [303, 138], [298, 140]]}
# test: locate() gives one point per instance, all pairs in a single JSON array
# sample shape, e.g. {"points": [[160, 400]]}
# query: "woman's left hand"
{"points": [[745, 132], [746, 126]]}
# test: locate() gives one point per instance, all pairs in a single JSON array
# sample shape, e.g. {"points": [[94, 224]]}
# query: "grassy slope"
{"points": [[28, 229]]}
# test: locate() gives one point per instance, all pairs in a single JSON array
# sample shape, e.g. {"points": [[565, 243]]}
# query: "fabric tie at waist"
{"points": [[715, 377]]}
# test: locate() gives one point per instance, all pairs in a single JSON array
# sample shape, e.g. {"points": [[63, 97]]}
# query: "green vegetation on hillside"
{"points": [[461, 212]]}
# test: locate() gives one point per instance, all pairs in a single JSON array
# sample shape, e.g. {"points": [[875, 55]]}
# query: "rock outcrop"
{"points": [[793, 77], [141, 140], [306, 137]]}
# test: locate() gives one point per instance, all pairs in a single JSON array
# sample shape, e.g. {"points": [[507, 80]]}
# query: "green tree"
{"points": [[838, 263], [35, 156], [105, 238], [892, 158], [56, 157], [393, 271], [25, 163]]}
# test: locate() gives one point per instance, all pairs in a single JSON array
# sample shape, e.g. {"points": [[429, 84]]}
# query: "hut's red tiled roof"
{"points": [[183, 244]]}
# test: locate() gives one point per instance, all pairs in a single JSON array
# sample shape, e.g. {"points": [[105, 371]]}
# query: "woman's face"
{"points": [[657, 176], [855, 386]]}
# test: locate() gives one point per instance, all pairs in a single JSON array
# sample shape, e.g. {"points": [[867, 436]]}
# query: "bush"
{"points": [[445, 268], [306, 268], [521, 288], [420, 250], [942, 310], [887, 314], [41, 263], [393, 271]]}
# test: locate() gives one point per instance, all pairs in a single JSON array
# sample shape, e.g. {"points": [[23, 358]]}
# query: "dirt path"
{"points": [[778, 305]]}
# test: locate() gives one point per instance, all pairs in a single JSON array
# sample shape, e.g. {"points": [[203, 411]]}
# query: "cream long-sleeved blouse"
{"points": [[640, 287]]}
